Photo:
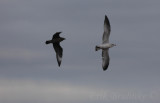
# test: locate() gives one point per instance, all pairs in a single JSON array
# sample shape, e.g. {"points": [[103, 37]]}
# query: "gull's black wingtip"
{"points": [[105, 67], [59, 64], [106, 17], [106, 20]]}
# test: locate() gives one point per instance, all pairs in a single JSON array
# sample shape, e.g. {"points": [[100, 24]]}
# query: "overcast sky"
{"points": [[29, 72]]}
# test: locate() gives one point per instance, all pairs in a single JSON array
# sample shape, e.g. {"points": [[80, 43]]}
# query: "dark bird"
{"points": [[105, 44], [56, 39]]}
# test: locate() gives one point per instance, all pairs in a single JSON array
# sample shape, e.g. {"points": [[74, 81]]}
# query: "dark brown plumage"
{"points": [[56, 39]]}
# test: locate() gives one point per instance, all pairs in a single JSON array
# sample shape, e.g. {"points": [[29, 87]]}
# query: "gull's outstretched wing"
{"points": [[56, 35], [107, 30], [59, 52], [105, 59]]}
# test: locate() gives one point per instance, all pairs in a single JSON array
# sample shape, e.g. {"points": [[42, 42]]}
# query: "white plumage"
{"points": [[105, 44]]}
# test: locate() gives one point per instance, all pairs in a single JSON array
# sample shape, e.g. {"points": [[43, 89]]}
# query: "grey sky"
{"points": [[28, 68]]}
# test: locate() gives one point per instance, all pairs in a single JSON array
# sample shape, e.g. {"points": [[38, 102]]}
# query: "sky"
{"points": [[29, 72]]}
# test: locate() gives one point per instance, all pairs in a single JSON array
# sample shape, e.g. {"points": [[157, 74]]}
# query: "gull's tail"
{"points": [[97, 48]]}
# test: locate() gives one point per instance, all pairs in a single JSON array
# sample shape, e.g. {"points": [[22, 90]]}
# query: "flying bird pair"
{"points": [[56, 39]]}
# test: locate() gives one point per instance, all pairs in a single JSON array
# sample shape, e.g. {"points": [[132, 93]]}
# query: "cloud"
{"points": [[21, 56], [31, 66], [20, 91]]}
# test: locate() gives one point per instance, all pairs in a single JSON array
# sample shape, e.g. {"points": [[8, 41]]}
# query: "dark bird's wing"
{"points": [[56, 35], [59, 52], [107, 30], [105, 59]]}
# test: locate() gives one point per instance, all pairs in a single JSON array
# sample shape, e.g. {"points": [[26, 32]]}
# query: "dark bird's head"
{"points": [[57, 38], [61, 38]]}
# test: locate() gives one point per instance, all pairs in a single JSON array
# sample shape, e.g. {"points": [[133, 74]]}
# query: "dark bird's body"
{"points": [[56, 39]]}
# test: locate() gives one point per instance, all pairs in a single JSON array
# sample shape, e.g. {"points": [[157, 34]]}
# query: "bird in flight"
{"points": [[56, 39], [105, 44]]}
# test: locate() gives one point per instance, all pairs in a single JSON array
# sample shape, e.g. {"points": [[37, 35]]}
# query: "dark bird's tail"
{"points": [[47, 42]]}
